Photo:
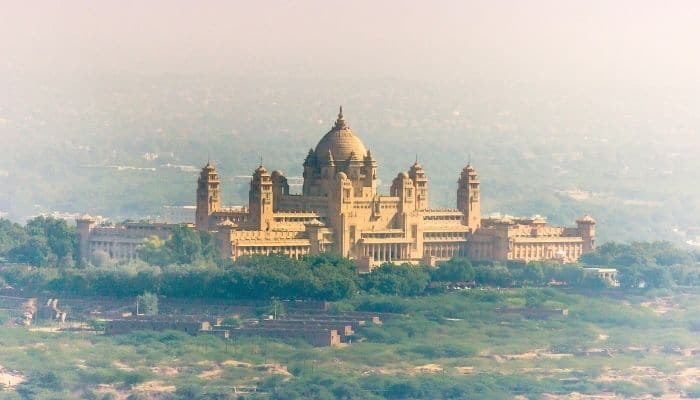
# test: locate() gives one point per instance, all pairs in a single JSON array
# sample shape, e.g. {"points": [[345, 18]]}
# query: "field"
{"points": [[452, 345]]}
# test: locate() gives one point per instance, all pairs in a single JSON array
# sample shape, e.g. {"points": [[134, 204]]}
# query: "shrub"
{"points": [[443, 350], [148, 304], [383, 304]]}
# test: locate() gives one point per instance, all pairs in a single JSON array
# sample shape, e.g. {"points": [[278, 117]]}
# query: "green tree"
{"points": [[184, 245], [11, 235], [454, 270], [493, 275], [61, 238], [35, 251], [399, 280], [154, 252], [148, 304]]}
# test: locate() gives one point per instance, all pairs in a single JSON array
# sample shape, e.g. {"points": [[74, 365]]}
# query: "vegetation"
{"points": [[451, 345], [185, 246], [148, 304], [42, 242], [648, 265], [328, 277], [447, 345]]}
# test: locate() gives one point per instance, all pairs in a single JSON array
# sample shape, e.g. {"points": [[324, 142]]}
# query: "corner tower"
{"points": [[260, 200], [84, 224], [468, 197], [420, 181], [208, 197], [280, 187], [586, 228]]}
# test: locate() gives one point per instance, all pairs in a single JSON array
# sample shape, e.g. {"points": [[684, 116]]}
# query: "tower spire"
{"points": [[340, 123]]}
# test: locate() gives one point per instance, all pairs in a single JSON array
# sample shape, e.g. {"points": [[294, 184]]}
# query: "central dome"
{"points": [[341, 142]]}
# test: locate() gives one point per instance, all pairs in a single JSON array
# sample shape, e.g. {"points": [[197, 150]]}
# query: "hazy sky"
{"points": [[656, 42]]}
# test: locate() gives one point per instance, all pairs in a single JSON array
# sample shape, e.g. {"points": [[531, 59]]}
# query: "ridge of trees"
{"points": [[188, 264]]}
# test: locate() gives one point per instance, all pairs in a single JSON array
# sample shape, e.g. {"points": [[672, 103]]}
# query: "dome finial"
{"points": [[340, 123]]}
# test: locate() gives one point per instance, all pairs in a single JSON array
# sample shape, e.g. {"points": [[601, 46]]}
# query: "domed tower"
{"points": [[420, 181], [208, 197], [468, 197], [260, 200], [339, 150]]}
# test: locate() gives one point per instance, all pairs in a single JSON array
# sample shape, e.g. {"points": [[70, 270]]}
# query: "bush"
{"points": [[232, 321], [443, 350], [134, 378], [383, 304], [148, 304], [96, 324]]}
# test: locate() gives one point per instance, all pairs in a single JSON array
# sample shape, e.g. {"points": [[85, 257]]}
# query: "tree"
{"points": [[493, 275], [631, 277], [154, 252], [184, 245], [61, 238], [534, 298], [454, 270], [148, 304], [398, 280], [35, 251], [101, 259], [657, 277], [46, 241], [11, 235]]}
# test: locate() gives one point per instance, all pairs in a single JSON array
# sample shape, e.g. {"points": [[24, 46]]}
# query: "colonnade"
{"points": [[444, 250], [295, 252], [386, 251]]}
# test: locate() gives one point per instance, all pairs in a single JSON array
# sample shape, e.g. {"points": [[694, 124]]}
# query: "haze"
{"points": [[545, 96]]}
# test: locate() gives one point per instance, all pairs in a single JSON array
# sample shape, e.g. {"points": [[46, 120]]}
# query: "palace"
{"points": [[340, 210]]}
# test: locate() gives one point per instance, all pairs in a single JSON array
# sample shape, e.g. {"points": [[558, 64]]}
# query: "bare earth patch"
{"points": [[211, 374], [673, 382], [166, 371], [531, 355], [52, 329], [236, 363], [465, 370], [155, 386], [121, 366], [273, 369], [429, 368], [661, 305], [579, 396], [9, 379]]}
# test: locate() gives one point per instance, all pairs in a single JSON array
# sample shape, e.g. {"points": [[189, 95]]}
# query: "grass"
{"points": [[476, 351]]}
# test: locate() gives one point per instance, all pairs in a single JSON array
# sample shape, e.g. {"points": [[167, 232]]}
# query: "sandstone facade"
{"points": [[340, 210]]}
